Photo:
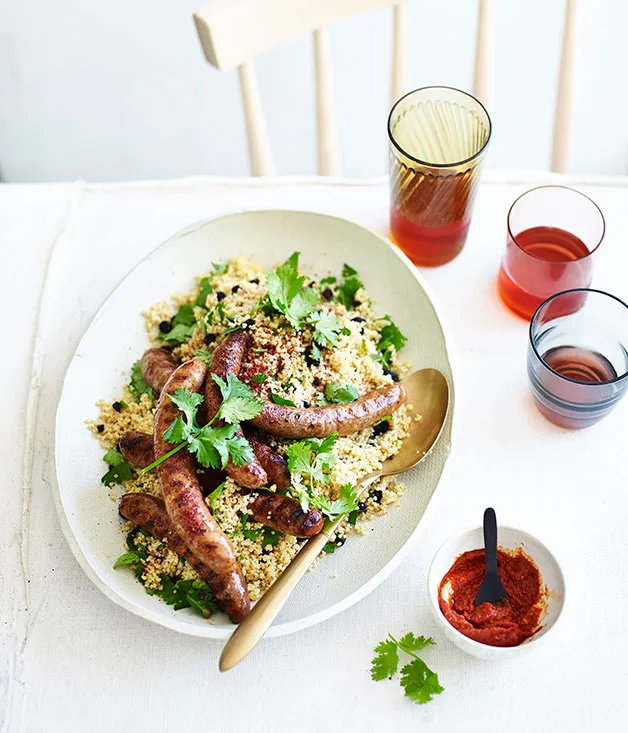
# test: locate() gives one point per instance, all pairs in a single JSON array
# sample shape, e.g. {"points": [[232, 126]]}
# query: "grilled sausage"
{"points": [[186, 507], [275, 465], [285, 514], [149, 513], [319, 422], [156, 366], [137, 448], [226, 359]]}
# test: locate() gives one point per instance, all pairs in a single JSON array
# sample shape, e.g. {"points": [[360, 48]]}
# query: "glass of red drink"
{"points": [[438, 141], [578, 359], [553, 232]]}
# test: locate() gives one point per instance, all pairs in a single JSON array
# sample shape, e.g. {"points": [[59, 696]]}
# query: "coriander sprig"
{"points": [[212, 445], [418, 680]]}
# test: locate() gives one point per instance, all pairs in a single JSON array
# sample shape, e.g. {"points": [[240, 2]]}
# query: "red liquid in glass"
{"points": [[425, 245], [542, 262], [580, 365]]}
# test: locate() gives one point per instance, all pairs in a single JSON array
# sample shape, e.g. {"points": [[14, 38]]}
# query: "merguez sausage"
{"points": [[319, 422], [275, 465], [149, 513], [226, 359], [137, 448], [156, 366], [185, 506], [284, 513]]}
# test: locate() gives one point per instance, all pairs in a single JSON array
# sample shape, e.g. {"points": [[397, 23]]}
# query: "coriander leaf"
{"points": [[259, 378], [329, 547], [177, 431], [325, 445], [299, 457], [383, 359], [270, 537], [390, 336], [215, 494], [411, 643], [419, 682], [240, 450], [347, 503], [327, 328], [204, 289], [315, 352], [257, 351], [350, 286], [204, 356], [279, 400], [185, 316], [218, 269], [348, 271], [386, 418], [341, 392], [238, 401], [353, 517], [303, 304], [200, 597], [179, 334], [119, 468], [328, 280], [129, 558], [209, 444], [188, 402], [385, 661], [137, 384], [285, 282]]}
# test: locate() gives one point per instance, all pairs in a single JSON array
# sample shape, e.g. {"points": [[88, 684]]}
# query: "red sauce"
{"points": [[505, 624]]}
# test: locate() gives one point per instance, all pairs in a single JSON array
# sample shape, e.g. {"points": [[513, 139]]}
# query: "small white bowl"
{"points": [[509, 539]]}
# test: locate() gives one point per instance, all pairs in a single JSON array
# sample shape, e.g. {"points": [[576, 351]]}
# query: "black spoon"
{"points": [[491, 589]]}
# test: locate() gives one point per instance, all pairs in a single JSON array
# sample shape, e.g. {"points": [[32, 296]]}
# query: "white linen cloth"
{"points": [[70, 660]]}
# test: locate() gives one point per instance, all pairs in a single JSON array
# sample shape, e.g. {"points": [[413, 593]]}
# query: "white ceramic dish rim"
{"points": [[290, 627], [472, 643]]}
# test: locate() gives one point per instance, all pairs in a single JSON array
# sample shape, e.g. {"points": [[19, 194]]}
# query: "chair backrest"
{"points": [[233, 32]]}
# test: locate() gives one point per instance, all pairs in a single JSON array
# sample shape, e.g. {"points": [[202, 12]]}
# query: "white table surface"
{"points": [[70, 660]]}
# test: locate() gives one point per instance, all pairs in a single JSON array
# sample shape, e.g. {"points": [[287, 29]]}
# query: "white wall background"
{"points": [[119, 90]]}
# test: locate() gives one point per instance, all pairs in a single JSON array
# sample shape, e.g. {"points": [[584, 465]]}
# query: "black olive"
{"points": [[381, 428], [220, 296], [209, 339], [117, 407], [235, 288], [100, 428], [249, 322], [316, 381], [361, 507], [339, 541], [327, 294], [165, 326], [362, 331], [356, 303], [312, 284], [306, 403], [359, 319], [377, 496], [393, 375], [311, 361], [255, 281]]}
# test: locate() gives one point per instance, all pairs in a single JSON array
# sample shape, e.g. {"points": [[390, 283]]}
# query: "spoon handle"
{"points": [[490, 539], [250, 631]]}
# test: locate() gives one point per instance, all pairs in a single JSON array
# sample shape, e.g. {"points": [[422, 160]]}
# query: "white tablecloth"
{"points": [[70, 660]]}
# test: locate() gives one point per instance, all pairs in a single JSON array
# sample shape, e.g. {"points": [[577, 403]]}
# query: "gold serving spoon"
{"points": [[428, 396]]}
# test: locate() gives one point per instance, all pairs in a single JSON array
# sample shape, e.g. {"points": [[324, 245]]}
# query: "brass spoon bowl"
{"points": [[428, 398]]}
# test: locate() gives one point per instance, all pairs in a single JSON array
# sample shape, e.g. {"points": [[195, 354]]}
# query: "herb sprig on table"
{"points": [[310, 462], [213, 446], [417, 679]]}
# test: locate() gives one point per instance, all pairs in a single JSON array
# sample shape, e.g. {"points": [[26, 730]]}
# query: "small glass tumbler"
{"points": [[578, 360], [438, 140], [553, 232]]}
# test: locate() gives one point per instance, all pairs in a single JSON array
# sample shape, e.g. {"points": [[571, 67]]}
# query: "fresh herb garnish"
{"points": [[218, 269], [390, 340], [204, 289], [215, 494], [271, 537], [327, 328], [138, 385], [330, 280], [204, 356], [119, 468], [417, 679], [279, 400], [259, 378], [341, 392], [183, 326], [350, 286], [329, 547], [213, 446], [286, 293], [386, 418]]}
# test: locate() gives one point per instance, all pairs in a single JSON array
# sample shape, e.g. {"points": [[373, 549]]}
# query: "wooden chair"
{"points": [[233, 32]]}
